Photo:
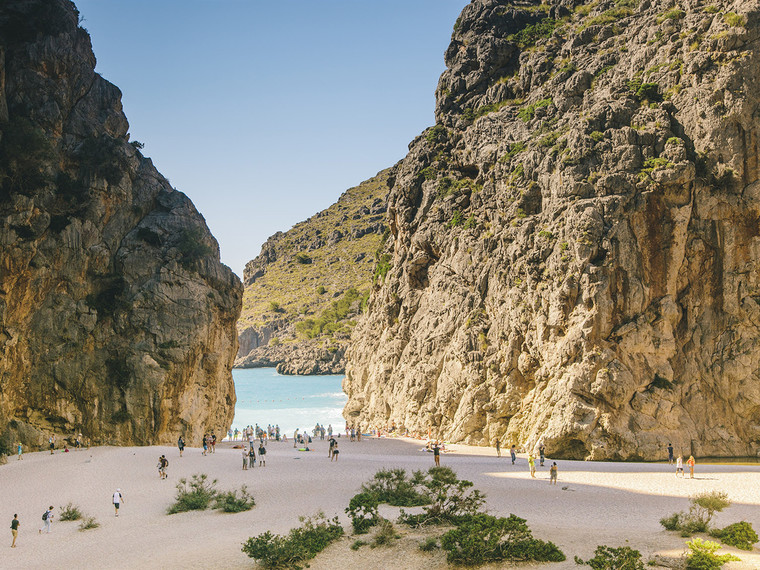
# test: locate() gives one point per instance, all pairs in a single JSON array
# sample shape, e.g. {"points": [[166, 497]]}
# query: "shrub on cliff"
{"points": [[483, 538], [300, 544]]}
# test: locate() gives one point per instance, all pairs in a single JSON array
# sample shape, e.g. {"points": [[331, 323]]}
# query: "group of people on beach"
{"points": [[691, 462]]}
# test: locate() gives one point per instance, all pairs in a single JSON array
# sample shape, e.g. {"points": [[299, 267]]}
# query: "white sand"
{"points": [[603, 503]]}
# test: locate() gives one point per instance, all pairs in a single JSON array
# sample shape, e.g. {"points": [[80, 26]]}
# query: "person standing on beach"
{"points": [[205, 444], [532, 465], [690, 462], [47, 519], [541, 454], [14, 530], [333, 443], [335, 452], [498, 448], [295, 438], [245, 459], [20, 451], [679, 466], [262, 455], [553, 474], [670, 454], [213, 442], [251, 457], [181, 445], [437, 454], [513, 454], [118, 499], [51, 443]]}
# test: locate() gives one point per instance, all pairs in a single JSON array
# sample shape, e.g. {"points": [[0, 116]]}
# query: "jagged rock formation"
{"points": [[304, 291], [117, 319], [576, 243]]}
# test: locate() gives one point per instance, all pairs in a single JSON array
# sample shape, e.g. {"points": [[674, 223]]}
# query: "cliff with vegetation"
{"points": [[117, 319], [305, 290], [574, 253]]}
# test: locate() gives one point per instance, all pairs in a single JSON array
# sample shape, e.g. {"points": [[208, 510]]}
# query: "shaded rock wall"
{"points": [[117, 319], [575, 244]]}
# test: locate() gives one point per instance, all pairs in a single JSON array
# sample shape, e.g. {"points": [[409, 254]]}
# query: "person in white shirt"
{"points": [[117, 500]]}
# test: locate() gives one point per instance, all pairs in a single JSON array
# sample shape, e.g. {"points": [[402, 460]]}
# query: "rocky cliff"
{"points": [[304, 291], [117, 319], [575, 244]]}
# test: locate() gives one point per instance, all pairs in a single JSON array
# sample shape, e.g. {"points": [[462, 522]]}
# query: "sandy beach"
{"points": [[595, 503]]}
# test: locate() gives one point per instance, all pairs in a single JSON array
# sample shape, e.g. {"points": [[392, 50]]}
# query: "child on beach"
{"points": [[690, 462], [513, 454], [679, 466], [532, 465], [553, 474]]}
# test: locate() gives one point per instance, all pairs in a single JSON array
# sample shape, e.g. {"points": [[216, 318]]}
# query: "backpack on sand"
{"points": [[44, 516]]}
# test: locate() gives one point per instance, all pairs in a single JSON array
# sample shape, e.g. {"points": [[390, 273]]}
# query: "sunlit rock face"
{"points": [[117, 319], [575, 244]]}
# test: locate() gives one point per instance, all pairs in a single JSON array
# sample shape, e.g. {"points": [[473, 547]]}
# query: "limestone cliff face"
{"points": [[117, 319], [575, 244], [304, 291]]}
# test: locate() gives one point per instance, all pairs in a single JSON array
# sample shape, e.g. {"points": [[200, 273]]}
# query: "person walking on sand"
{"points": [[213, 442], [690, 462], [498, 448], [437, 454], [181, 445], [553, 474], [14, 530], [47, 518], [513, 453], [679, 466], [541, 454], [51, 443], [20, 451], [335, 452], [532, 465], [118, 499], [670, 454], [251, 457], [163, 463]]}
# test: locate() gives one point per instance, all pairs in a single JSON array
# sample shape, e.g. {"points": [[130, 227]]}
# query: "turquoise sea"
{"points": [[292, 402]]}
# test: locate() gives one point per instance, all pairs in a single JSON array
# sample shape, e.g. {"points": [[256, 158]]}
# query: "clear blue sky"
{"points": [[263, 113]]}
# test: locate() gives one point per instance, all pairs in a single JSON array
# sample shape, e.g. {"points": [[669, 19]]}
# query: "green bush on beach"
{"points": [[702, 555], [88, 523], [451, 499], [740, 535], [70, 513], [483, 538], [608, 558], [196, 495], [231, 502], [299, 545], [703, 508], [362, 509]]}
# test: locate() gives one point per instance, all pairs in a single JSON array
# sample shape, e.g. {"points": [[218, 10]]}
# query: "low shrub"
{"points": [[740, 535], [70, 513], [703, 508], [385, 534], [357, 544], [702, 555], [197, 495], [231, 502], [392, 486], [300, 544], [483, 538], [608, 558], [451, 499], [363, 512], [88, 523], [429, 544]]}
